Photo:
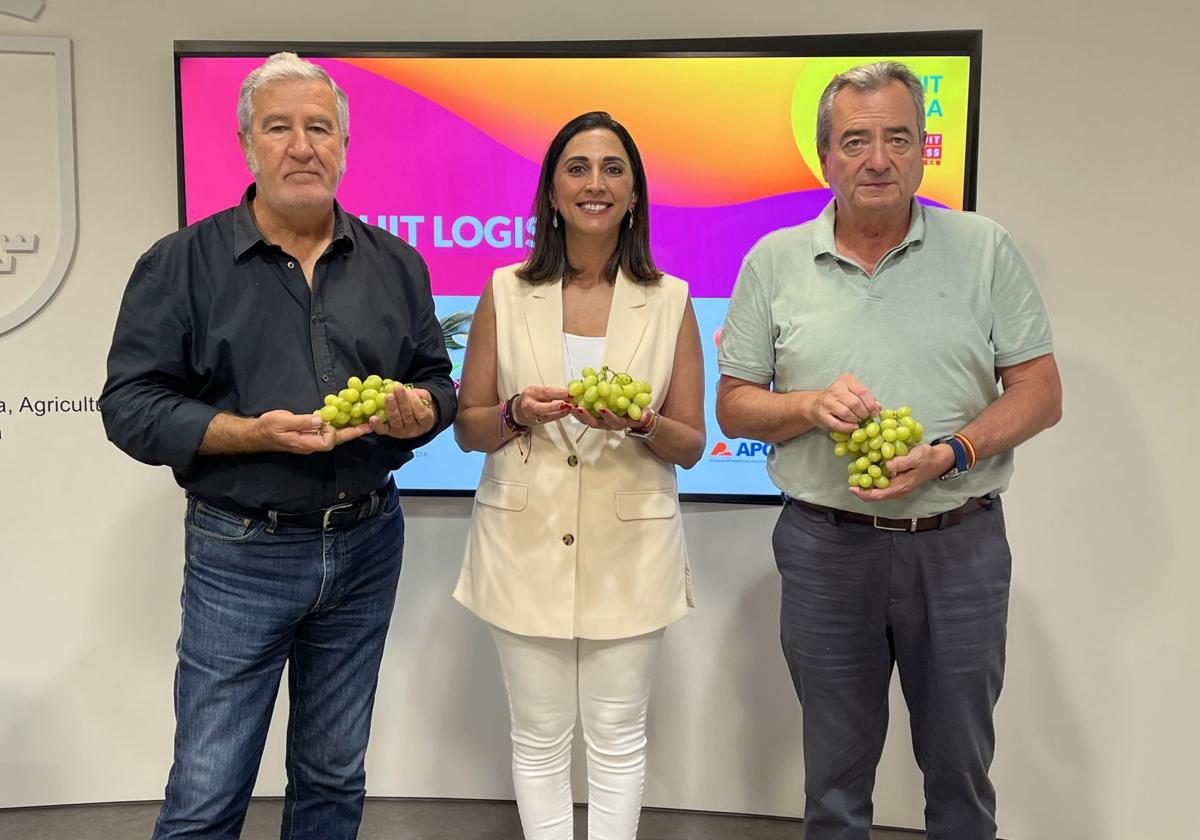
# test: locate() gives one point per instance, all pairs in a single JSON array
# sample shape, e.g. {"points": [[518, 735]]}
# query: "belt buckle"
{"points": [[330, 511], [911, 529]]}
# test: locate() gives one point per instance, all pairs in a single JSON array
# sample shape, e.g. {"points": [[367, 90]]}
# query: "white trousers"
{"points": [[609, 683]]}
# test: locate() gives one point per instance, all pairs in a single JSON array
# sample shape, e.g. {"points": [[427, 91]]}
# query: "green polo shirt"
{"points": [[945, 308]]}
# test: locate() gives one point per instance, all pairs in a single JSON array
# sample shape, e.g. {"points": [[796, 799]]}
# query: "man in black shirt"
{"points": [[229, 335]]}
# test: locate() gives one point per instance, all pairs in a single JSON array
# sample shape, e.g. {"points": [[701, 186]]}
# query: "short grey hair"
{"points": [[286, 66], [867, 77]]}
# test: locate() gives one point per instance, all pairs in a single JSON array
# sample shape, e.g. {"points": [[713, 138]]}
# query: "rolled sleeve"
{"points": [[142, 404]]}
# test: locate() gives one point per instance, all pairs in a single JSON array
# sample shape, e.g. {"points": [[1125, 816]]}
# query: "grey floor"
{"points": [[392, 819]]}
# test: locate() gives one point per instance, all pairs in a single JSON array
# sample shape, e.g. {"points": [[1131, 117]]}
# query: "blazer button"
{"points": [[568, 539], [572, 461]]}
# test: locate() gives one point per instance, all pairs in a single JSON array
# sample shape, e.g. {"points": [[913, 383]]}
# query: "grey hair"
{"points": [[284, 66], [868, 77]]}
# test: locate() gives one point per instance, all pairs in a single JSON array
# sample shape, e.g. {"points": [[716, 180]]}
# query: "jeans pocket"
{"points": [[216, 523]]}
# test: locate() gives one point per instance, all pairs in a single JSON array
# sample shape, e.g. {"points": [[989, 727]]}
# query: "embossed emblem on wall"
{"points": [[38, 209]]}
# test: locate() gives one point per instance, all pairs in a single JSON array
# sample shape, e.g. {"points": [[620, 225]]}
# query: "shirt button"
{"points": [[572, 461], [324, 377], [291, 264], [342, 495], [314, 319], [568, 539]]}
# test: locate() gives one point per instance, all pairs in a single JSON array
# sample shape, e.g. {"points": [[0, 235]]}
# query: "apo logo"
{"points": [[745, 450], [37, 175]]}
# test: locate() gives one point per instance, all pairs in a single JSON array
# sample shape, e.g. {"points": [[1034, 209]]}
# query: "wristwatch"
{"points": [[961, 463]]}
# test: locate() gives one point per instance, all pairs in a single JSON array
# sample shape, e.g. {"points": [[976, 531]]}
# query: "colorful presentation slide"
{"points": [[445, 152]]}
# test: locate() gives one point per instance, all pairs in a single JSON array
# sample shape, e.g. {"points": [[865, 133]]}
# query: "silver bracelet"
{"points": [[645, 435]]}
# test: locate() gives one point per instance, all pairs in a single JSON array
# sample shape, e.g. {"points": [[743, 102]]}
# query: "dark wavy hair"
{"points": [[547, 261]]}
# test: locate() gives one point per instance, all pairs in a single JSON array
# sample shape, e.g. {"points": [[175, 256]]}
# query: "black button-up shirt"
{"points": [[217, 319]]}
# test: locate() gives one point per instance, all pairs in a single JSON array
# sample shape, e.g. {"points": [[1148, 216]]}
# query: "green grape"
{"points": [[875, 456], [876, 442], [350, 395], [872, 429], [889, 423], [369, 394], [858, 436], [918, 431], [331, 399], [863, 463], [622, 404], [587, 371], [369, 407], [373, 382], [382, 414], [629, 390], [354, 384], [887, 414], [342, 420], [882, 482], [840, 450], [889, 435], [599, 405], [357, 421], [344, 406], [642, 400], [903, 411], [839, 437], [590, 395], [642, 385], [852, 468], [356, 410], [604, 389], [908, 422], [865, 481], [901, 448], [328, 414], [590, 381], [624, 379], [854, 479], [888, 451], [874, 471], [617, 410], [903, 433], [635, 411], [854, 446], [575, 387]]}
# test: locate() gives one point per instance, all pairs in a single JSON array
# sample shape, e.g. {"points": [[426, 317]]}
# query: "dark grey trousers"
{"points": [[856, 601]]}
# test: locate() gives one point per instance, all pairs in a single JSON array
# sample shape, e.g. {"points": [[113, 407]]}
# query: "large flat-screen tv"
{"points": [[446, 141]]}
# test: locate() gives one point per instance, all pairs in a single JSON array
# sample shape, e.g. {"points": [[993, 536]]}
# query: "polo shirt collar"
{"points": [[824, 243], [246, 234]]}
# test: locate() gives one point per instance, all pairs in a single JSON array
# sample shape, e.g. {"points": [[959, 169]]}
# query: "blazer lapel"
{"points": [[626, 325], [543, 326], [543, 323]]}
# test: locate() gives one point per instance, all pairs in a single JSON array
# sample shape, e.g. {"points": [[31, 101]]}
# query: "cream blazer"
{"points": [[584, 538]]}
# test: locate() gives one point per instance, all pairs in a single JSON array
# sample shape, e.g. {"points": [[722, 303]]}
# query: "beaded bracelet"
{"points": [[510, 419]]}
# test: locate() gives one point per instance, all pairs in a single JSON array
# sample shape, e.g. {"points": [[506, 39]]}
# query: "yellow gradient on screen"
{"points": [[946, 80], [713, 131]]}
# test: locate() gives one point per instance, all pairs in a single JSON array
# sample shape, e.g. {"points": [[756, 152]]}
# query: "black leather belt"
{"points": [[338, 516], [912, 525]]}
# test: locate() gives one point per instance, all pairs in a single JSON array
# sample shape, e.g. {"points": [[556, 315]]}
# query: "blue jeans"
{"points": [[254, 599]]}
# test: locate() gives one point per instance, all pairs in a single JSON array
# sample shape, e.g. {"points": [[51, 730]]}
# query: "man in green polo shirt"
{"points": [[882, 302]]}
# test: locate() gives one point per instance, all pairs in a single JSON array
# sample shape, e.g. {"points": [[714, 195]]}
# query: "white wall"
{"points": [[1089, 125]]}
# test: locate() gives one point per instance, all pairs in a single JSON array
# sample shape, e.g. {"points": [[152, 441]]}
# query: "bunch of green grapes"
{"points": [[620, 393], [875, 442], [358, 401]]}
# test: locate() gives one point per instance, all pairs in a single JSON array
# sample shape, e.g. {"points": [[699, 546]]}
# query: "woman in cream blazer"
{"points": [[575, 555]]}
